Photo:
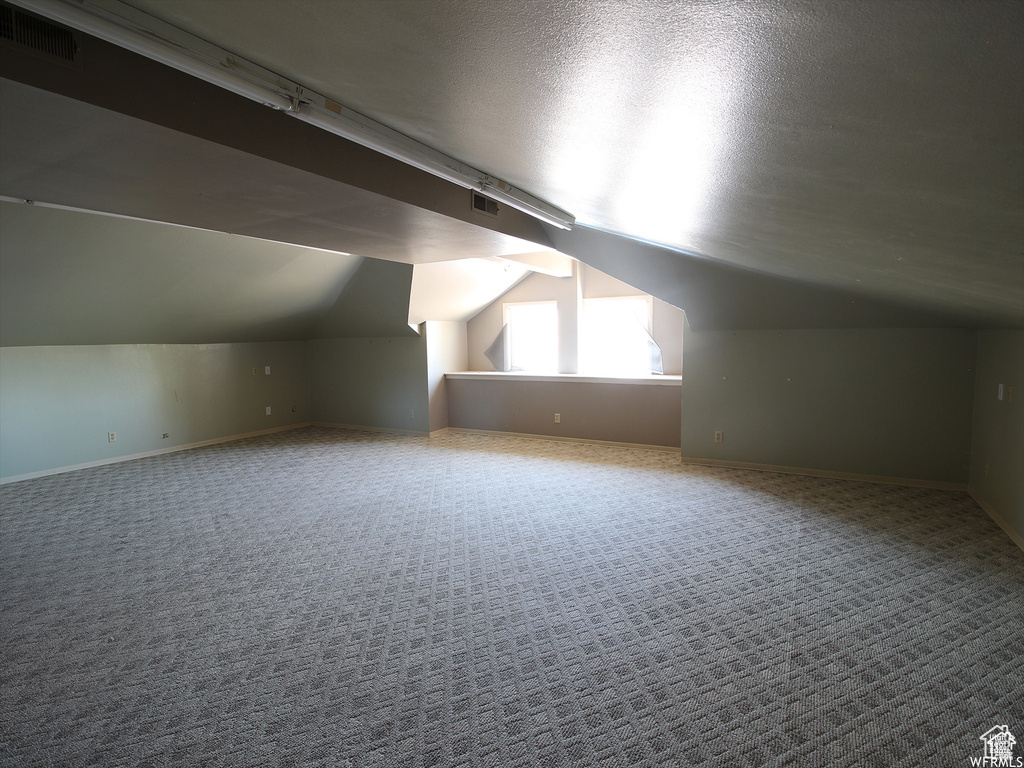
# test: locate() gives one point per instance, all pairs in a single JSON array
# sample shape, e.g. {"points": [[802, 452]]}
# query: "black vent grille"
{"points": [[484, 205], [33, 33]]}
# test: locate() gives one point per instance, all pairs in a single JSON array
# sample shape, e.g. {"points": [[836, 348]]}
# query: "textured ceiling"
{"points": [[59, 150], [874, 146], [78, 278]]}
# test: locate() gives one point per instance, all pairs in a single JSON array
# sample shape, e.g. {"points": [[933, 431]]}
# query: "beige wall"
{"points": [[616, 412], [880, 402], [997, 442], [58, 403], [372, 382]]}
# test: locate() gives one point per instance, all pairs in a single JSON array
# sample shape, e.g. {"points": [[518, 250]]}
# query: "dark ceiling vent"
{"points": [[484, 205], [34, 34]]}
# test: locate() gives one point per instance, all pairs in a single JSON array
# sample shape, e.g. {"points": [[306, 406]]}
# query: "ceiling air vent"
{"points": [[484, 205], [31, 33]]}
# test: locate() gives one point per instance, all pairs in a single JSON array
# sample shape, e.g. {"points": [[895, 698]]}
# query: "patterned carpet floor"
{"points": [[337, 598]]}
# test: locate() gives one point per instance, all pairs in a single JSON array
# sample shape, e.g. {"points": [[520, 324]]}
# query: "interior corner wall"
{"points": [[997, 440], [879, 402], [59, 403], [379, 383], [446, 352]]}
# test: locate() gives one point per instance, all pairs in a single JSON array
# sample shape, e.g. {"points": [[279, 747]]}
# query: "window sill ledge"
{"points": [[654, 380]]}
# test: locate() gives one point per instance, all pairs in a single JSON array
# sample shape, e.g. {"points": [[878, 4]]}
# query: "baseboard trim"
{"points": [[908, 481], [147, 454], [997, 518], [558, 439], [360, 428]]}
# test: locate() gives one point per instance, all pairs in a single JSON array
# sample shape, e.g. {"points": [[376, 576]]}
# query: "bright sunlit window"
{"points": [[615, 337], [532, 336]]}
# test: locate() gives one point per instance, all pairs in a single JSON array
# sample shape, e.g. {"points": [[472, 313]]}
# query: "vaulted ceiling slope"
{"points": [[759, 164], [870, 145], [70, 278]]}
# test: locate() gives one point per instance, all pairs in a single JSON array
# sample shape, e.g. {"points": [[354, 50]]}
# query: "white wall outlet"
{"points": [[719, 436], [412, 413], [268, 410], [266, 370], [1000, 395], [558, 418], [111, 437]]}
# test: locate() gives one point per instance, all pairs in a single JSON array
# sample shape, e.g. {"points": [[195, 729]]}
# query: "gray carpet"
{"points": [[331, 598]]}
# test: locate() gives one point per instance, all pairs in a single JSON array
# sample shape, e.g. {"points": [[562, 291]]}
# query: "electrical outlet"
{"points": [[111, 437], [558, 418], [266, 370], [412, 413], [719, 436], [268, 410], [999, 395]]}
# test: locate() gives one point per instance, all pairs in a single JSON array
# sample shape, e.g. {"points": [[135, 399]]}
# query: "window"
{"points": [[615, 337], [532, 340]]}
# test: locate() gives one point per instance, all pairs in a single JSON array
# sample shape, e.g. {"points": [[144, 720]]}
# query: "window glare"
{"points": [[533, 336], [614, 337]]}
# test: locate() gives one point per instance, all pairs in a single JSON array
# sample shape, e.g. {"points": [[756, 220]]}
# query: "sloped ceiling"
{"points": [[457, 290], [872, 145], [78, 278], [59, 150], [760, 164]]}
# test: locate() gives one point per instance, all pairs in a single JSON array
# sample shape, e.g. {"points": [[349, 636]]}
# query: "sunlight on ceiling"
{"points": [[665, 118]]}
